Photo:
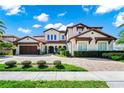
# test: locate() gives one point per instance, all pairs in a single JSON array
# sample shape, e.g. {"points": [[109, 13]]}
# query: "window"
{"points": [[48, 37], [54, 37], [82, 46], [64, 47], [102, 46], [51, 37], [63, 37]]}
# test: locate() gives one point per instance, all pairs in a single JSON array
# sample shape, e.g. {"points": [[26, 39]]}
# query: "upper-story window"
{"points": [[63, 37], [80, 30], [54, 37], [51, 37], [48, 37]]}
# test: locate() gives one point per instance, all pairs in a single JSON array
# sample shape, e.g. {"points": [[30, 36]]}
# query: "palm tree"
{"points": [[2, 27], [121, 35]]}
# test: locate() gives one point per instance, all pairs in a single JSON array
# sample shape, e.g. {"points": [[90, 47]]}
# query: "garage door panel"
{"points": [[28, 49]]}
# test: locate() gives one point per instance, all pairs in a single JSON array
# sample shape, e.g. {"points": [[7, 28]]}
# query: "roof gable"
{"points": [[94, 30], [27, 39], [80, 25], [51, 29]]}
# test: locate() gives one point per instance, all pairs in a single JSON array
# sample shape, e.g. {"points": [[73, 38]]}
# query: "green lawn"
{"points": [[122, 61], [59, 55], [52, 84], [64, 67]]}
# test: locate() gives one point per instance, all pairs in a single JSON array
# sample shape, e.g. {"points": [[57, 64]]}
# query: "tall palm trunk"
{"points": [[2, 27]]}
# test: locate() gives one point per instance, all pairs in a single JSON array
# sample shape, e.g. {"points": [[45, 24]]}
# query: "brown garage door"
{"points": [[28, 49]]}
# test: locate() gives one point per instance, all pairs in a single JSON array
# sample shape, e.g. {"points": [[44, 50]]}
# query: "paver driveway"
{"points": [[91, 64]]}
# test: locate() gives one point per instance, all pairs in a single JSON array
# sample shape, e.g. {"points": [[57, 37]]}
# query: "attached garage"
{"points": [[28, 45], [28, 49]]}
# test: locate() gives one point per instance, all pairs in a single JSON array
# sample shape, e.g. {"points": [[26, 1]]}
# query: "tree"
{"points": [[4, 46], [121, 35], [2, 27]]}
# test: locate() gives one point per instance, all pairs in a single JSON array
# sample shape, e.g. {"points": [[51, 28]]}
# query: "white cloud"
{"points": [[24, 30], [87, 8], [58, 26], [36, 26], [107, 8], [43, 17], [12, 9], [63, 27], [62, 14], [119, 19]]}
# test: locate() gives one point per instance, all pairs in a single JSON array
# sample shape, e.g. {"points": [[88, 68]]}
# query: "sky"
{"points": [[32, 20]]}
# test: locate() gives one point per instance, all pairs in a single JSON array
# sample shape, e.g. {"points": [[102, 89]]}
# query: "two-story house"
{"points": [[78, 37]]}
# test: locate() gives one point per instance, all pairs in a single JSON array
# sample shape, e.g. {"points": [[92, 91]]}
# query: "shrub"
{"points": [[94, 53], [57, 63], [67, 54], [41, 63], [11, 63], [62, 51], [26, 63], [116, 58], [88, 53], [109, 55]]}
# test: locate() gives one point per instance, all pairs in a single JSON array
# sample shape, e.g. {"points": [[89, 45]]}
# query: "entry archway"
{"points": [[51, 49]]}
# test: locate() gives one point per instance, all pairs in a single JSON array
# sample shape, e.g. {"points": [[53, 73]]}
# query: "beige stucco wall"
{"points": [[26, 40], [52, 32], [92, 46], [73, 32]]}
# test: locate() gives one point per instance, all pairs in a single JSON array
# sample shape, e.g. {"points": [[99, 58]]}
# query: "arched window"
{"points": [[51, 37], [54, 37], [64, 47], [48, 37], [63, 37], [59, 46]]}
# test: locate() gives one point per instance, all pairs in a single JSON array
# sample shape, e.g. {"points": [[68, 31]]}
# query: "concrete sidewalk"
{"points": [[113, 78]]}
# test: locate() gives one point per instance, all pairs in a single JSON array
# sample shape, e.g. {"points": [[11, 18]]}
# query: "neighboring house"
{"points": [[78, 37], [9, 38]]}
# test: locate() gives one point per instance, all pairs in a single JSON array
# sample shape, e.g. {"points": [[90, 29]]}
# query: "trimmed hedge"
{"points": [[114, 56], [41, 63], [57, 63], [94, 53], [26, 63], [11, 63]]}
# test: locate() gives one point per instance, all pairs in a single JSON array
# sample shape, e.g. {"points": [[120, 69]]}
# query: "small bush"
{"points": [[96, 53], [26, 63], [62, 51], [57, 63], [41, 63], [11, 63], [67, 54], [116, 58]]}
